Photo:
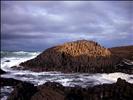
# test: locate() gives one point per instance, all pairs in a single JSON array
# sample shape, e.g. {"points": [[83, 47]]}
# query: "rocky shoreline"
{"points": [[121, 90]]}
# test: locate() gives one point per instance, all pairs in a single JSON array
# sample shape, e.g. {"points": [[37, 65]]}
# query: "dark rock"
{"points": [[53, 85], [7, 61], [9, 82], [23, 91], [49, 91], [2, 72], [121, 90]]}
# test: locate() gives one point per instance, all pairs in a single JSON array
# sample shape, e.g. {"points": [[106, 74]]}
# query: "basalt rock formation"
{"points": [[23, 91], [125, 53], [77, 56], [121, 90]]}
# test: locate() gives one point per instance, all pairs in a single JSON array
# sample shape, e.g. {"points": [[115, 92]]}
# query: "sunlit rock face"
{"points": [[77, 56]]}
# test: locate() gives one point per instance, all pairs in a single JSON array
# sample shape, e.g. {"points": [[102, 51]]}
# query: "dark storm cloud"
{"points": [[49, 23]]}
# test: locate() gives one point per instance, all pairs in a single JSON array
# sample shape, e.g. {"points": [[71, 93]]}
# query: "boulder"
{"points": [[23, 91]]}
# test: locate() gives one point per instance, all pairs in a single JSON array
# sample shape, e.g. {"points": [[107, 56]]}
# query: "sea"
{"points": [[13, 58]]}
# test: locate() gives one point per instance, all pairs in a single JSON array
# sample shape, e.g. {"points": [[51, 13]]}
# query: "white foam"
{"points": [[5, 91], [114, 76], [8, 62], [38, 78]]}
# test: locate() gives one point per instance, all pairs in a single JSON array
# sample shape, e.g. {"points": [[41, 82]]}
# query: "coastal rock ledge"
{"points": [[76, 56], [121, 90]]}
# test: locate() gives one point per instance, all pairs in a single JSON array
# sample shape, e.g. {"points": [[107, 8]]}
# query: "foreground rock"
{"points": [[23, 91], [77, 56], [9, 82], [20, 88], [121, 90], [2, 72]]}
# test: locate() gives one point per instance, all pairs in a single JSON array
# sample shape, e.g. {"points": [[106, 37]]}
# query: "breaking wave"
{"points": [[10, 59]]}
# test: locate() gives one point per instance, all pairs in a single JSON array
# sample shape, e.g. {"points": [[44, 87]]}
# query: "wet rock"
{"points": [[49, 91], [9, 82], [2, 72], [7, 61], [121, 90], [23, 91]]}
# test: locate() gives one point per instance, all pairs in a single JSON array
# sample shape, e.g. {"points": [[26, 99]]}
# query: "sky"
{"points": [[37, 25]]}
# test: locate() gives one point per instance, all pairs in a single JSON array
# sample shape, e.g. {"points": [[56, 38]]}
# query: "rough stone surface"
{"points": [[2, 72], [121, 90], [8, 82], [77, 56], [23, 91]]}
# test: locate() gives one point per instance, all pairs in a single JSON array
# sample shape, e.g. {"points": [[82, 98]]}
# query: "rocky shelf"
{"points": [[121, 90]]}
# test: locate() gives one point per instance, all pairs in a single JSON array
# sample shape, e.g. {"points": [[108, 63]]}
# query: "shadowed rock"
{"points": [[2, 72], [8, 82], [121, 90], [23, 91]]}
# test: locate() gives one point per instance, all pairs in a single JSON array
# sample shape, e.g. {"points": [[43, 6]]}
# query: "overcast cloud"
{"points": [[36, 25]]}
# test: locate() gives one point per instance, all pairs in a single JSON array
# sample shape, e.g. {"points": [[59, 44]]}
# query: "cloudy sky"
{"points": [[37, 25]]}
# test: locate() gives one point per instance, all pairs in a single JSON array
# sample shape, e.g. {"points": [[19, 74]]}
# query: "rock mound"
{"points": [[77, 56], [23, 91], [9, 82]]}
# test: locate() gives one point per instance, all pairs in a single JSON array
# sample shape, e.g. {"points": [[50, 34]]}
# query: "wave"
{"points": [[9, 58], [38, 78], [74, 79], [18, 54]]}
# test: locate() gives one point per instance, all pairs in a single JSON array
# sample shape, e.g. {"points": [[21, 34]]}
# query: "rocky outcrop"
{"points": [[50, 91], [125, 53], [9, 82], [121, 90], [23, 91], [77, 56]]}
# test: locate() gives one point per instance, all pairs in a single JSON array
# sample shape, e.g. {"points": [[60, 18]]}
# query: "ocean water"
{"points": [[9, 59], [5, 92]]}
